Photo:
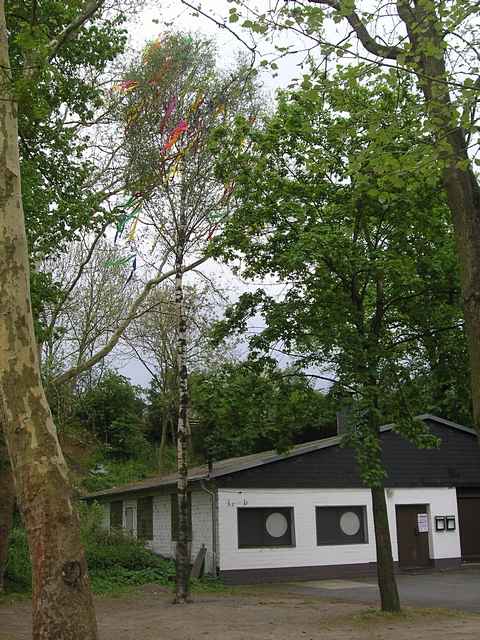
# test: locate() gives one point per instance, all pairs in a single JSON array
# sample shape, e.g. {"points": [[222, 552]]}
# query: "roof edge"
{"points": [[298, 450]]}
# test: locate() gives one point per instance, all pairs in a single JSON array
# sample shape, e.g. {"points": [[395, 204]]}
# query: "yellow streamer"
{"points": [[219, 109], [133, 230], [172, 172], [150, 48], [197, 103]]}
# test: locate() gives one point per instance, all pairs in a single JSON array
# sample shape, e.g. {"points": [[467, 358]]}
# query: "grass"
{"points": [[407, 614]]}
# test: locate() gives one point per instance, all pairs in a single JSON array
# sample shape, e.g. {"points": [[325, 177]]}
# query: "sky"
{"points": [[171, 14]]}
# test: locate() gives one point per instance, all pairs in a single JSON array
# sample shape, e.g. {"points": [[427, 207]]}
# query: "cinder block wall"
{"points": [[162, 543], [201, 527]]}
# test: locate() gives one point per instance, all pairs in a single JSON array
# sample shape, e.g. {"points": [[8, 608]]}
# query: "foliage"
{"points": [[18, 569], [113, 410], [176, 83], [116, 561], [106, 473], [55, 101], [245, 407], [331, 202], [59, 101]]}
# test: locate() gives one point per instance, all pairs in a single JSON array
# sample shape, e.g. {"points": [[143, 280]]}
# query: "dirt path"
{"points": [[259, 615]]}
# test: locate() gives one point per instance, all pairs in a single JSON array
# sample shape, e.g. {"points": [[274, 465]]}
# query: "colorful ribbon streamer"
{"points": [[126, 85], [179, 130], [171, 106], [150, 48], [197, 103], [119, 262], [133, 230]]}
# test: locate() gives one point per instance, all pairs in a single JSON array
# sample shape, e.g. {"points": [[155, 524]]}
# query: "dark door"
{"points": [[412, 541], [469, 525]]}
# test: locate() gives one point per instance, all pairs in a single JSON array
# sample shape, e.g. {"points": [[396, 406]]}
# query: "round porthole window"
{"points": [[350, 523], [276, 525]]}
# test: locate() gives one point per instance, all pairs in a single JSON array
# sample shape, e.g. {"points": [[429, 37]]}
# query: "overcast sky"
{"points": [[171, 14]]}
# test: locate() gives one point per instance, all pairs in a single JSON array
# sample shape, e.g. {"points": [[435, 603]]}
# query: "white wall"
{"points": [[306, 552], [441, 501], [162, 542]]}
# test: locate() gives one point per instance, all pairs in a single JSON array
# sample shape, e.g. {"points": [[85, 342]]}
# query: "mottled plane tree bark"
{"points": [[62, 601]]}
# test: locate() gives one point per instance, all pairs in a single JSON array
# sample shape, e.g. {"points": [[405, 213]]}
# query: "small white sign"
{"points": [[422, 522]]}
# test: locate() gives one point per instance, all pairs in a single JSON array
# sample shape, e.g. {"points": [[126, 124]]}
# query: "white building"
{"points": [[306, 514]]}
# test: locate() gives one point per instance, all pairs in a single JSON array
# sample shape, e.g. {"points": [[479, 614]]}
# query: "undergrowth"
{"points": [[116, 562]]}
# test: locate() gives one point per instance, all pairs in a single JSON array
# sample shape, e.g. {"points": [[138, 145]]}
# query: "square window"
{"points": [[341, 525], [116, 514], [265, 527], [145, 518]]}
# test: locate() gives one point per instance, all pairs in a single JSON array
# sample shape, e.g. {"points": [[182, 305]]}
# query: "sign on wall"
{"points": [[422, 522]]}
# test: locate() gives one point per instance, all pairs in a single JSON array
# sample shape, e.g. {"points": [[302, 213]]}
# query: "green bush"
{"points": [[19, 569], [116, 561], [109, 473]]}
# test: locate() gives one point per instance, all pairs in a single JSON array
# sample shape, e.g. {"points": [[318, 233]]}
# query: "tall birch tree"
{"points": [[175, 97]]}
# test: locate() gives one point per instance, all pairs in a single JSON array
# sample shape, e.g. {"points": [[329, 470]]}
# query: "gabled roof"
{"points": [[234, 465]]}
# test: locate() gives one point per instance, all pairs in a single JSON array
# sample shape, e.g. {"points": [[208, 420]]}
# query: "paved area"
{"points": [[447, 589]]}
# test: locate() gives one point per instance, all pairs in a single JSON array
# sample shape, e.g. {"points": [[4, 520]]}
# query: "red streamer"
{"points": [[180, 129]]}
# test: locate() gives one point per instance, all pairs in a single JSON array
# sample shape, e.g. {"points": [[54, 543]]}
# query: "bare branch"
{"points": [[131, 315], [370, 44], [75, 280], [88, 12], [220, 25]]}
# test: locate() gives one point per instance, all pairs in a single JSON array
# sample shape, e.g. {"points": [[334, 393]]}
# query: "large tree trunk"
{"points": [[62, 601], [7, 506], [182, 549], [463, 193], [387, 583]]}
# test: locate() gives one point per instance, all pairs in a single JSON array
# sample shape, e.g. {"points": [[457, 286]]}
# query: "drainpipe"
{"points": [[213, 499]]}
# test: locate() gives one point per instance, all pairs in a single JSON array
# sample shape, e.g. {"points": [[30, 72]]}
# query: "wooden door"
{"points": [[413, 548], [130, 520], [469, 525]]}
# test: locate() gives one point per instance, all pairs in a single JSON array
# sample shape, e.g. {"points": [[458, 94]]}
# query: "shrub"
{"points": [[19, 569], [116, 561], [108, 473]]}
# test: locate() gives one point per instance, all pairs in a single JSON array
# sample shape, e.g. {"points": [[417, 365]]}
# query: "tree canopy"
{"points": [[332, 203]]}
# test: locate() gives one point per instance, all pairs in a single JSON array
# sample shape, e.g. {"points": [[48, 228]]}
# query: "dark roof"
{"points": [[234, 465]]}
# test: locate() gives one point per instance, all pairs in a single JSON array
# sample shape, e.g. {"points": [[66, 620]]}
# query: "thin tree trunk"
{"points": [[62, 601], [387, 583], [7, 506], [163, 439], [182, 549]]}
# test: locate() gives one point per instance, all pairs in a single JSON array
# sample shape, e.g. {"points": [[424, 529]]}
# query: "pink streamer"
{"points": [[171, 106]]}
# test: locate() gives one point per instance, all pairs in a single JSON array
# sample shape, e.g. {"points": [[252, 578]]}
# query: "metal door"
{"points": [[413, 548]]}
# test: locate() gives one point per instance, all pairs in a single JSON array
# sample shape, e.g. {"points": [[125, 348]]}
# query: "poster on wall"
{"points": [[422, 522]]}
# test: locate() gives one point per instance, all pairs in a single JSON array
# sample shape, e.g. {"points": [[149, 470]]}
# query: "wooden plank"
{"points": [[198, 565]]}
